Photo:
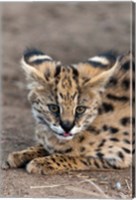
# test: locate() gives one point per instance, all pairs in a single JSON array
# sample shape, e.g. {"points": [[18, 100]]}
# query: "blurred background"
{"points": [[70, 32]]}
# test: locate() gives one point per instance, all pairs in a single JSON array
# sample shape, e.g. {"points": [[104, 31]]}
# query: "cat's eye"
{"points": [[80, 110], [53, 108]]}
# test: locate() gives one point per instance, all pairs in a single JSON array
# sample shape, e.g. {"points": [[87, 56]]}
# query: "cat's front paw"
{"points": [[39, 166], [15, 160]]}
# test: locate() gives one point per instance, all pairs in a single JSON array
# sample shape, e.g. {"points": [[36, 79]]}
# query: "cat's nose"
{"points": [[67, 125]]}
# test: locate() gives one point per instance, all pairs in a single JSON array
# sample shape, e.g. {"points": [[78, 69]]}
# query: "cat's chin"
{"points": [[64, 138]]}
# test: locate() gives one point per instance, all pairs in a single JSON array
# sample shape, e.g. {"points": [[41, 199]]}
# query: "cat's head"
{"points": [[65, 98]]}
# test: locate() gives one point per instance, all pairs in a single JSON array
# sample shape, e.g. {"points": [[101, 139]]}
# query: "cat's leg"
{"points": [[21, 158], [63, 163]]}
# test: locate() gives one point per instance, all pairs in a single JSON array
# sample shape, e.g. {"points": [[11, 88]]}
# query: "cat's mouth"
{"points": [[59, 133], [65, 136]]}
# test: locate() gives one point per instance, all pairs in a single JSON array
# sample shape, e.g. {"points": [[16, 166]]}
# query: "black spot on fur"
{"points": [[75, 72], [53, 159], [126, 141], [100, 155], [114, 139], [117, 98], [65, 166], [105, 127], [125, 121], [133, 152], [126, 150], [61, 160], [113, 130], [48, 163], [102, 143], [125, 133], [96, 164], [92, 129], [107, 107], [84, 162], [65, 160], [125, 84], [58, 70], [121, 155], [73, 160], [126, 66], [81, 138], [82, 149], [112, 82], [50, 167], [69, 165], [68, 150], [61, 95], [57, 163]]}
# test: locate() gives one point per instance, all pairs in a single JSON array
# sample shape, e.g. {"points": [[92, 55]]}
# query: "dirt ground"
{"points": [[70, 32]]}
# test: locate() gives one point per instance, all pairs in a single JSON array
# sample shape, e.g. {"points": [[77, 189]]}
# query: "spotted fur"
{"points": [[83, 114]]}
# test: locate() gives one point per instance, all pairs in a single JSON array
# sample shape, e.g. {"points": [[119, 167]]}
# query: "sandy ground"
{"points": [[71, 32]]}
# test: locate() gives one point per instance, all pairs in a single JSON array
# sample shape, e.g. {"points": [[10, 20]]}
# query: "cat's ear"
{"points": [[38, 67], [98, 79]]}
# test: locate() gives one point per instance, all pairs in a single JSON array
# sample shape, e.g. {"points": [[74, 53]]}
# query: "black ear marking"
{"points": [[110, 55], [35, 56], [97, 61], [32, 51], [29, 52], [96, 64]]}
